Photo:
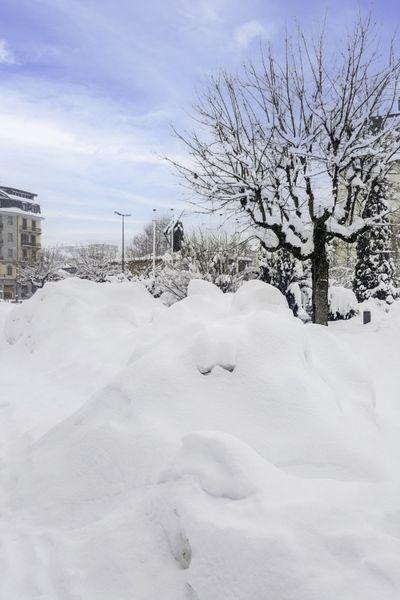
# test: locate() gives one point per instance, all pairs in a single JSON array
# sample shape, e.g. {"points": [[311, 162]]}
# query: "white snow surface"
{"points": [[219, 449]]}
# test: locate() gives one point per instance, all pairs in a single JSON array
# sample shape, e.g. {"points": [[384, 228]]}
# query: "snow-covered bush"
{"points": [[214, 258], [342, 259], [119, 278], [291, 276], [342, 303], [96, 263]]}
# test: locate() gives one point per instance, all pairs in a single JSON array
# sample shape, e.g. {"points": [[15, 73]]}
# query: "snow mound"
{"points": [[255, 295], [200, 287], [73, 307], [219, 448], [224, 466], [257, 529], [342, 303]]}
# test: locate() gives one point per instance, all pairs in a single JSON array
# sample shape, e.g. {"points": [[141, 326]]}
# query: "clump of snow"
{"points": [[216, 449], [255, 295], [200, 287], [342, 303]]}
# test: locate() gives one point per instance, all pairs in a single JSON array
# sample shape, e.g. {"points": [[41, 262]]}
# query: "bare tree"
{"points": [[216, 257], [142, 243], [297, 144], [96, 262], [48, 267]]}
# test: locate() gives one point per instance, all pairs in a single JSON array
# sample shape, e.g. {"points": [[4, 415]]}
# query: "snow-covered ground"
{"points": [[219, 449]]}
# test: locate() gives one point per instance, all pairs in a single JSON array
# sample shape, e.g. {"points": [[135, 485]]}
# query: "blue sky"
{"points": [[89, 89]]}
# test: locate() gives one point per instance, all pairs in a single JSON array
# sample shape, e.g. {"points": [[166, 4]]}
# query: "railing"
{"points": [[31, 229], [30, 244]]}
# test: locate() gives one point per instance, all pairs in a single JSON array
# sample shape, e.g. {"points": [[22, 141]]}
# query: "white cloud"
{"points": [[247, 32], [6, 55]]}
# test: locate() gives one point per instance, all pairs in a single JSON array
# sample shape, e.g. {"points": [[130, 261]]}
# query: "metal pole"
{"points": [[122, 215], [172, 230], [123, 243], [154, 244], [237, 245], [172, 236]]}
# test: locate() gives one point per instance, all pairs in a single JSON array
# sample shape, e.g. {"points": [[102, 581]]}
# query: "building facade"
{"points": [[20, 237]]}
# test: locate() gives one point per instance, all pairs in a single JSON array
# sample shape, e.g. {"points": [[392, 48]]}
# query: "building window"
{"points": [[10, 237], [10, 220], [9, 270], [33, 240], [33, 224], [24, 253], [24, 223], [10, 253]]}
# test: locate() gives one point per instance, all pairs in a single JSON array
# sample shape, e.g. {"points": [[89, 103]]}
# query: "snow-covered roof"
{"points": [[18, 202], [17, 193], [19, 211]]}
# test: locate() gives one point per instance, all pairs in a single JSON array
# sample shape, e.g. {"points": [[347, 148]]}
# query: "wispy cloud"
{"points": [[86, 115], [6, 55], [248, 32]]}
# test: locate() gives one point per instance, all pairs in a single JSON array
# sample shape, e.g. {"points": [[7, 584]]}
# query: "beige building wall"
{"points": [[20, 237]]}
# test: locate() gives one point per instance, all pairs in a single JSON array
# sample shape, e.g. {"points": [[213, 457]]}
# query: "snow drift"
{"points": [[219, 448]]}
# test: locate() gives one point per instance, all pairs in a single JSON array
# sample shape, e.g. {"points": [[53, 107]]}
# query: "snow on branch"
{"points": [[298, 142]]}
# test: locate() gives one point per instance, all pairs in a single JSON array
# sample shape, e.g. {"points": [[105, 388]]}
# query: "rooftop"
{"points": [[13, 198]]}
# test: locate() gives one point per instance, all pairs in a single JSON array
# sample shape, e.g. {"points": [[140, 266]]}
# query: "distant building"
{"points": [[20, 235], [74, 251]]}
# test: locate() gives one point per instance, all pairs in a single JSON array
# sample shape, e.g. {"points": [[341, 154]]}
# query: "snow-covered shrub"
{"points": [[291, 277], [214, 258], [96, 263], [342, 303], [119, 278], [342, 260]]}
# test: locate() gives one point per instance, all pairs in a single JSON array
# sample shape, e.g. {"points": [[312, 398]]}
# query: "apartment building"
{"points": [[20, 234]]}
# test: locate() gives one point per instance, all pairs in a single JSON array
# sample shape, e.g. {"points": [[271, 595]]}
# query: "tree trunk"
{"points": [[320, 276]]}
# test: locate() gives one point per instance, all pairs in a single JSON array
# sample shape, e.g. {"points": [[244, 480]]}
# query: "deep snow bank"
{"points": [[224, 450]]}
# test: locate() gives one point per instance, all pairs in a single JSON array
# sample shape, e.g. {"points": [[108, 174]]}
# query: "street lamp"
{"points": [[172, 230], [122, 215], [154, 244], [172, 235]]}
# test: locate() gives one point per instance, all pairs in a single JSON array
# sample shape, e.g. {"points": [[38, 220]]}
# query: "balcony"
{"points": [[30, 244], [30, 229]]}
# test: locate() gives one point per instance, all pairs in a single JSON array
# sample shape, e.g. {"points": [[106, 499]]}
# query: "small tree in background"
{"points": [[342, 259], [96, 263], [48, 267], [213, 257], [375, 270], [142, 243]]}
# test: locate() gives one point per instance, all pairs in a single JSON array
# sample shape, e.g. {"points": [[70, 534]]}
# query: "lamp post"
{"points": [[172, 230], [154, 244], [172, 235], [122, 215]]}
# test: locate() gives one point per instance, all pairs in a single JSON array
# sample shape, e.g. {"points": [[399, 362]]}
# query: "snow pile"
{"points": [[342, 303], [216, 449]]}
